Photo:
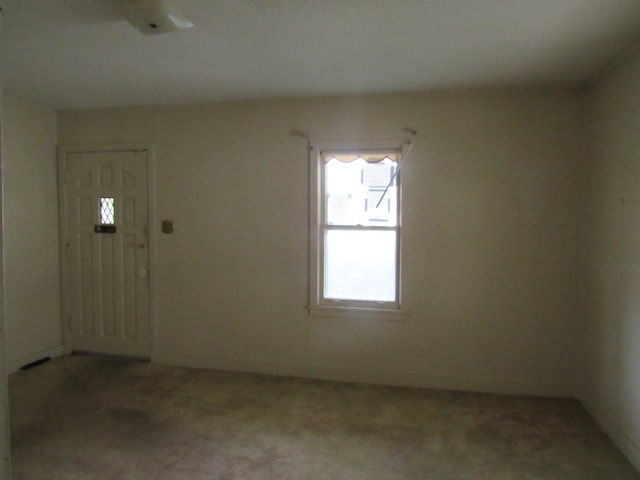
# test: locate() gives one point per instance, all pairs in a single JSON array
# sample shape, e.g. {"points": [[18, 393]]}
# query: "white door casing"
{"points": [[105, 222]]}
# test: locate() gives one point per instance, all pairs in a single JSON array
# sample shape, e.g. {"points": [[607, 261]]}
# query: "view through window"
{"points": [[359, 227]]}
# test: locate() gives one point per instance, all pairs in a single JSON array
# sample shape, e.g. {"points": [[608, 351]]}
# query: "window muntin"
{"points": [[359, 229]]}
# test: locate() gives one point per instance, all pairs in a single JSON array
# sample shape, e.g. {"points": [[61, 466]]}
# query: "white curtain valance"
{"points": [[369, 157]]}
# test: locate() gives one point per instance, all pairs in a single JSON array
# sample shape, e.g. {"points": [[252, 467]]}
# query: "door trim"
{"points": [[63, 151]]}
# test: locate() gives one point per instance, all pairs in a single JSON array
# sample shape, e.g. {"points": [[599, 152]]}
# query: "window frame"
{"points": [[319, 305]]}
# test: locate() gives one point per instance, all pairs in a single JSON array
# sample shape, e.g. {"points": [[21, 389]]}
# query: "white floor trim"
{"points": [[617, 433], [381, 377], [15, 365]]}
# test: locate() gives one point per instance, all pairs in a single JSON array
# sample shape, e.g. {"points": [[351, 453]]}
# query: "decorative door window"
{"points": [[107, 211]]}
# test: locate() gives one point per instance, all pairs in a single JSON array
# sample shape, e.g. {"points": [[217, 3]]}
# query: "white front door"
{"points": [[107, 298]]}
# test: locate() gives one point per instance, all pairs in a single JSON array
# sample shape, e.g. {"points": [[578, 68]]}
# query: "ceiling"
{"points": [[81, 53]]}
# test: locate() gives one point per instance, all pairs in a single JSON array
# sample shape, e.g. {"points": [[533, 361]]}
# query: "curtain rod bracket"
{"points": [[300, 133]]}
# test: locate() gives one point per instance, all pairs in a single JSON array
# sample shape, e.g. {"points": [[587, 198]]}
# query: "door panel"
{"points": [[107, 232]]}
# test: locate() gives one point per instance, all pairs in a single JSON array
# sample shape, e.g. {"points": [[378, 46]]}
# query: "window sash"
{"points": [[323, 227], [356, 279]]}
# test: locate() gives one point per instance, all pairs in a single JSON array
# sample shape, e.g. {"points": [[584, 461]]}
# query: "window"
{"points": [[355, 233], [107, 211]]}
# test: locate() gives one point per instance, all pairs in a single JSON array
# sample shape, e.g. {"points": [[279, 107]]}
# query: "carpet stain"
{"points": [[82, 418]]}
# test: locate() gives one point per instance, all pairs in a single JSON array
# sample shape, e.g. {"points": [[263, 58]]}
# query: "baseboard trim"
{"points": [[14, 365], [381, 377], [615, 431]]}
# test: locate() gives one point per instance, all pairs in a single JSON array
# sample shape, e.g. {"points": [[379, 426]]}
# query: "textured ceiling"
{"points": [[80, 53]]}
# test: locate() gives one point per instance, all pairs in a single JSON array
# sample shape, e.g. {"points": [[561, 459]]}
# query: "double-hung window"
{"points": [[355, 238]]}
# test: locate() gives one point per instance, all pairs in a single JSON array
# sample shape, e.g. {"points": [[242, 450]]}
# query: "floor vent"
{"points": [[127, 358], [35, 364]]}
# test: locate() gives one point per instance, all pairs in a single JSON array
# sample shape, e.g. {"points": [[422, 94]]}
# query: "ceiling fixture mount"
{"points": [[151, 17]]}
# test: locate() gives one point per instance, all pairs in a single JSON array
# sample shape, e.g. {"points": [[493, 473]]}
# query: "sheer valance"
{"points": [[369, 157]]}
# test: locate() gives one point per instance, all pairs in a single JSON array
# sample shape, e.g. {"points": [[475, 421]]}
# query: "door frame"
{"points": [[63, 151]]}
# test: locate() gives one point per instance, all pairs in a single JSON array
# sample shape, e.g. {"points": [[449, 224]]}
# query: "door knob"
{"points": [[140, 245]]}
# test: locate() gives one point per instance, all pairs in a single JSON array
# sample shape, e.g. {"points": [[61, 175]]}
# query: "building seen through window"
{"points": [[359, 225]]}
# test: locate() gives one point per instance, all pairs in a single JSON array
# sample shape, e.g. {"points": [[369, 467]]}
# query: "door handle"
{"points": [[140, 245]]}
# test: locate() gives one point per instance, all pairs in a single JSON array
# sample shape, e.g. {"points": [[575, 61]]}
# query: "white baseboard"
{"points": [[14, 365], [615, 431], [380, 377]]}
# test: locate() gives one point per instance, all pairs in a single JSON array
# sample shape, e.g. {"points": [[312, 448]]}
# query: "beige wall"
{"points": [[611, 307], [5, 467], [31, 232], [491, 193]]}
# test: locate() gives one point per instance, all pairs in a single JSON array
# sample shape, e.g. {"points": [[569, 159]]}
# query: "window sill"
{"points": [[359, 312]]}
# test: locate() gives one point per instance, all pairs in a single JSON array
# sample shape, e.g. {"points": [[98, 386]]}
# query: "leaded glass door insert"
{"points": [[107, 211]]}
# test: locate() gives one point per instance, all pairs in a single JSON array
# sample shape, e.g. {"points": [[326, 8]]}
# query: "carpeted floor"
{"points": [[88, 418]]}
